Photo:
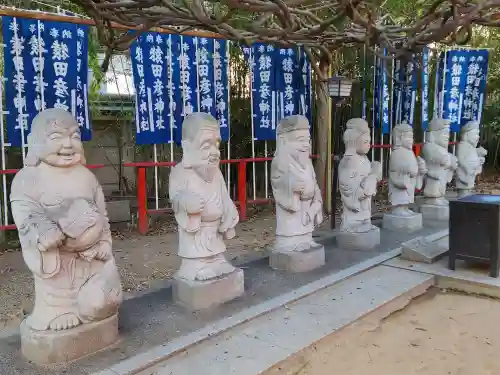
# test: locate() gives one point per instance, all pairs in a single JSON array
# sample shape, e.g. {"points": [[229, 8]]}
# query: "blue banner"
{"points": [[382, 96], [409, 91], [150, 75], [425, 88], [454, 87], [262, 64], [174, 76], [475, 85], [305, 90], [287, 82], [46, 66], [221, 71], [404, 94], [281, 86]]}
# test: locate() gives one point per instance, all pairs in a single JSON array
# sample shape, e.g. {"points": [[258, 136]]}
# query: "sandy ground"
{"points": [[447, 334]]}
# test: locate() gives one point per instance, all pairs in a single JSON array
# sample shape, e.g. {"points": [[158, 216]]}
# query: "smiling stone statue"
{"points": [[206, 216], [59, 209], [299, 207]]}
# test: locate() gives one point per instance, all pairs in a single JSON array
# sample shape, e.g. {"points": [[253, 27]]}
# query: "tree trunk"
{"points": [[322, 128]]}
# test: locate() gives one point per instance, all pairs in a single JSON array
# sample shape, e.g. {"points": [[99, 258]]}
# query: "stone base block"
{"points": [[298, 261], [359, 241], [199, 295], [435, 213], [62, 347], [407, 224], [421, 250]]}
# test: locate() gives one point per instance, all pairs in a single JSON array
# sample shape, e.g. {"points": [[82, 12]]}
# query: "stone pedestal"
{"points": [[298, 261], [61, 347], [435, 213], [359, 241], [398, 223], [199, 295]]}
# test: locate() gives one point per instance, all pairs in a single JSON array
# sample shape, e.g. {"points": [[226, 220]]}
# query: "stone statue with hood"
{"points": [[441, 166], [205, 215], [299, 206], [59, 209], [470, 158], [358, 179], [406, 172]]}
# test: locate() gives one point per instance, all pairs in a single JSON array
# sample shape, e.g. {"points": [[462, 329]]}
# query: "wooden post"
{"points": [[322, 136]]}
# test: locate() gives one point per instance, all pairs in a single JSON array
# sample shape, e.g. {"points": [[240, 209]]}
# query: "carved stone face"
{"points": [[407, 140], [472, 136], [204, 153], [299, 144], [363, 144], [442, 137], [63, 145]]}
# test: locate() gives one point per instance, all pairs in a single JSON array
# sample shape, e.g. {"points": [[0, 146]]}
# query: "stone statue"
{"points": [[358, 179], [299, 207], [406, 172], [470, 158], [441, 166], [205, 215], [59, 209]]}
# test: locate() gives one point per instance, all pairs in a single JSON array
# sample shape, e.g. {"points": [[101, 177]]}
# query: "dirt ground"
{"points": [[143, 261], [447, 334]]}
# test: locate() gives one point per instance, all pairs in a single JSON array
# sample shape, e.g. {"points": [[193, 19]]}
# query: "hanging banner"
{"points": [[382, 96], [475, 85], [305, 89], [425, 88], [206, 75], [454, 69], [46, 66], [409, 91], [174, 76], [261, 57], [287, 82], [221, 79], [281, 86], [152, 97]]}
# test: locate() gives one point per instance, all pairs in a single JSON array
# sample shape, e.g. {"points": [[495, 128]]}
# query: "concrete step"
{"points": [[255, 346]]}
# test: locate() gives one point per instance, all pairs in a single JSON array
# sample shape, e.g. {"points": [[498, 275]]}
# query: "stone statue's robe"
{"points": [[439, 171], [295, 211], [469, 166], [200, 235], [403, 176], [357, 186], [65, 283]]}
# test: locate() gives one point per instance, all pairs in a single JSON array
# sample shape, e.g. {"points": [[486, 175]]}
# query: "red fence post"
{"points": [[417, 148], [242, 189], [142, 208]]}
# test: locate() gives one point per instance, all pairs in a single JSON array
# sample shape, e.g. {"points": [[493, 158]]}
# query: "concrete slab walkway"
{"points": [[255, 346]]}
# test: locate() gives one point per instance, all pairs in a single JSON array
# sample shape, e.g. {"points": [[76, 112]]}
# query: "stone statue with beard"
{"points": [[206, 216], [299, 207], [441, 166]]}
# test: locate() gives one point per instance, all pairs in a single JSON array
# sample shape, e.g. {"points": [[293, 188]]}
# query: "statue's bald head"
{"points": [[49, 130], [195, 123]]}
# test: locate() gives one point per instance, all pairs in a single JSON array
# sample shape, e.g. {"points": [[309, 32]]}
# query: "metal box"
{"points": [[474, 231]]}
